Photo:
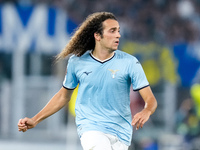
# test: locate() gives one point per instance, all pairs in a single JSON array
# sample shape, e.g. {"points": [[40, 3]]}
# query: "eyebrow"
{"points": [[115, 28]]}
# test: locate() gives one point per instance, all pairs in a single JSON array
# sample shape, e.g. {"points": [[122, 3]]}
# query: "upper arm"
{"points": [[148, 97], [146, 93], [65, 93]]}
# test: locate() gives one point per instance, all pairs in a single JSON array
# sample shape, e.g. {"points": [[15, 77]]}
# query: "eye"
{"points": [[112, 30]]}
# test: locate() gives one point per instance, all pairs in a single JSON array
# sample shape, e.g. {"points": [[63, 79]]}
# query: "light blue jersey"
{"points": [[103, 100]]}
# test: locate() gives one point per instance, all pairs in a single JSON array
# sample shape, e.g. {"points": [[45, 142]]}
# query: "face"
{"points": [[111, 35]]}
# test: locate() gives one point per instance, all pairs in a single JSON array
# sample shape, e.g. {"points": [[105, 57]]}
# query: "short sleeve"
{"points": [[137, 75], [70, 80]]}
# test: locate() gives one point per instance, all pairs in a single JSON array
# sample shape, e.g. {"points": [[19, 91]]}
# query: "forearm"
{"points": [[151, 104], [149, 99], [57, 102]]}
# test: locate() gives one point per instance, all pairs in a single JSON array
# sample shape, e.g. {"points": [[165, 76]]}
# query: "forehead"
{"points": [[110, 23]]}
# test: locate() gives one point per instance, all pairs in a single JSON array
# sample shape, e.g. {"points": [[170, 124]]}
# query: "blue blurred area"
{"points": [[70, 26], [51, 21], [24, 13], [188, 65], [0, 20]]}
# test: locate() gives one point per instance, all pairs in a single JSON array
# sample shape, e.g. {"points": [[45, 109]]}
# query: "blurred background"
{"points": [[165, 37]]}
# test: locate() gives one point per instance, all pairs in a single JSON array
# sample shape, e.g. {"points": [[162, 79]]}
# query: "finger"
{"points": [[23, 121], [143, 122], [20, 122], [135, 120], [22, 128], [140, 124], [20, 125], [25, 130]]}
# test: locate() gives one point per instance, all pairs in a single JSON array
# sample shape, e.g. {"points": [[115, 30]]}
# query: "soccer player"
{"points": [[104, 75]]}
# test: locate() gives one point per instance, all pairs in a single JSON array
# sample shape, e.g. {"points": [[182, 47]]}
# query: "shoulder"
{"points": [[76, 59], [123, 55]]}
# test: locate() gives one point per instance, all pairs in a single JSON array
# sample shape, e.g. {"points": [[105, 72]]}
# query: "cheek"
{"points": [[109, 38]]}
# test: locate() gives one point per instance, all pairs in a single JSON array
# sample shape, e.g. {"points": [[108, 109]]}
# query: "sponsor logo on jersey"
{"points": [[87, 73]]}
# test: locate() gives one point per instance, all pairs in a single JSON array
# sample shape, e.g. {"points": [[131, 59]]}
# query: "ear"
{"points": [[97, 36]]}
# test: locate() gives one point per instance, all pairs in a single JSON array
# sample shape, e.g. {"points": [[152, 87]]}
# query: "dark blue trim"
{"points": [[141, 88], [103, 61], [68, 88]]}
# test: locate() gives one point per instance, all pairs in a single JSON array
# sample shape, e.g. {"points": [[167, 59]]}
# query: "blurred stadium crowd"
{"points": [[146, 20], [164, 35], [141, 20]]}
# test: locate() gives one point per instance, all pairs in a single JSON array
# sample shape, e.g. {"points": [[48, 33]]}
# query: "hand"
{"points": [[25, 124], [141, 118]]}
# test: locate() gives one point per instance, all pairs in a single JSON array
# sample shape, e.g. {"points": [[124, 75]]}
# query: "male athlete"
{"points": [[104, 75]]}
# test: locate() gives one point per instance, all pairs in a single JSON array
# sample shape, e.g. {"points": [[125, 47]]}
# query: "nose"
{"points": [[118, 35]]}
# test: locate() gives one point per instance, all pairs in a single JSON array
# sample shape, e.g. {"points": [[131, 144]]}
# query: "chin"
{"points": [[112, 50]]}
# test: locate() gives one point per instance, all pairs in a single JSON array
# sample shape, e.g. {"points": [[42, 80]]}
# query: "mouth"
{"points": [[116, 42]]}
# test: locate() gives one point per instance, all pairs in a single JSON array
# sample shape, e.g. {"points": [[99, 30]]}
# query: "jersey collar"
{"points": [[101, 60]]}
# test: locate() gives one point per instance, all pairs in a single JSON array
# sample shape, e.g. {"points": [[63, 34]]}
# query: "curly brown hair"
{"points": [[83, 38]]}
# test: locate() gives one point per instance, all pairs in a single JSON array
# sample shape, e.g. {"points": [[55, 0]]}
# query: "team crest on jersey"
{"points": [[113, 73]]}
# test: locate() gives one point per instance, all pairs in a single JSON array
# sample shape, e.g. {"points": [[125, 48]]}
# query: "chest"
{"points": [[96, 73]]}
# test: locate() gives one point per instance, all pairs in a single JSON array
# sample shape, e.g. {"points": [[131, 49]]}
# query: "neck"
{"points": [[103, 55]]}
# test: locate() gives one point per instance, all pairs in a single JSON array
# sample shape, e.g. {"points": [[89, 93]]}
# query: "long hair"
{"points": [[83, 38]]}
